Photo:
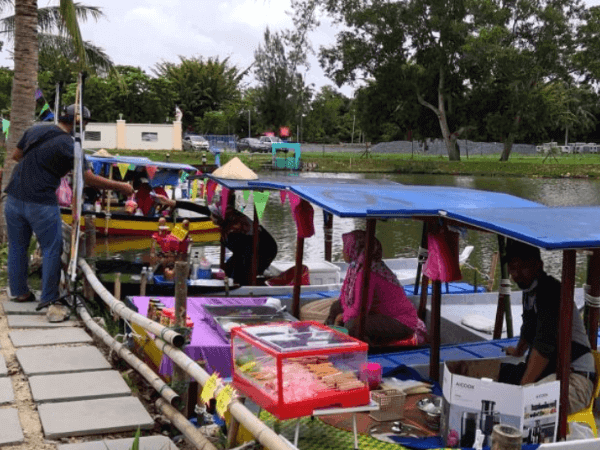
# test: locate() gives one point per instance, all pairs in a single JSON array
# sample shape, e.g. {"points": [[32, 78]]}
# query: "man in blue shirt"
{"points": [[45, 154]]}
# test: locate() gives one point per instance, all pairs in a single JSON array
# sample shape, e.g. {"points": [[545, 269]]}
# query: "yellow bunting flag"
{"points": [[194, 190], [224, 398], [260, 202], [123, 168], [208, 391], [179, 232]]}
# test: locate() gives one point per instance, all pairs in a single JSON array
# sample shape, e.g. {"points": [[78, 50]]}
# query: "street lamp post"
{"points": [[249, 124]]}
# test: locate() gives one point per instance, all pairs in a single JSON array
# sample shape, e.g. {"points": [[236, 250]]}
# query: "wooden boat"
{"points": [[111, 220]]}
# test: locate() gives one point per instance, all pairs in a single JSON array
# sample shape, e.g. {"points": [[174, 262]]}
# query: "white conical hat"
{"points": [[235, 170], [102, 153]]}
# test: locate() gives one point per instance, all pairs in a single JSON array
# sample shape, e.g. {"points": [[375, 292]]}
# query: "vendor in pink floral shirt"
{"points": [[390, 314]]}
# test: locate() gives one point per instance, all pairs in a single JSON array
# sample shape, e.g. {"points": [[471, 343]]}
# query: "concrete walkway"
{"points": [[55, 384]]}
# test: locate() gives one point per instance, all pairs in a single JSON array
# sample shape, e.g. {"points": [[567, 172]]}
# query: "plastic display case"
{"points": [[291, 369]]}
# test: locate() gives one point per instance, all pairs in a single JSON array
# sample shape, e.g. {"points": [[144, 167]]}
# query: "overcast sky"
{"points": [[144, 32]]}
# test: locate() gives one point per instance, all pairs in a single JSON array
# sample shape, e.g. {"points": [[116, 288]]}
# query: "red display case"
{"points": [[291, 369]]}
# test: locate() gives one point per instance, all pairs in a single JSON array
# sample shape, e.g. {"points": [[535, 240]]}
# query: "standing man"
{"points": [[45, 154], [539, 335]]}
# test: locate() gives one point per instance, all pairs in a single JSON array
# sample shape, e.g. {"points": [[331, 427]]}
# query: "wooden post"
{"points": [[255, 230], [90, 245], [118, 286], [234, 427], [328, 232], [298, 277], [421, 258], [143, 282], [563, 368], [180, 377], [366, 278], [434, 355], [492, 274], [593, 282], [422, 313], [504, 308]]}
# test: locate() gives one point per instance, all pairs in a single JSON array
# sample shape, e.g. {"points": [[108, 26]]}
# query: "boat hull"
{"points": [[118, 224]]}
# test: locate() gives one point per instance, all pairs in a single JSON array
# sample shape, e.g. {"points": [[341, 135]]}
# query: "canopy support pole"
{"points": [[328, 232], [504, 308], [298, 277], [421, 258], [364, 294], [435, 333], [594, 291], [563, 368], [255, 226]]}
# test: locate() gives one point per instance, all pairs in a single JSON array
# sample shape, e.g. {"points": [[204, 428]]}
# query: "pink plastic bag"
{"points": [[442, 262], [64, 193]]}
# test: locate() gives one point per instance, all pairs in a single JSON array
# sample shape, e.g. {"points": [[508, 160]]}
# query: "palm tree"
{"points": [[25, 75]]}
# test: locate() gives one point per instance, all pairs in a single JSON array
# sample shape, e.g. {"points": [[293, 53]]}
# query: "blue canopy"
{"points": [[138, 161], [551, 228]]}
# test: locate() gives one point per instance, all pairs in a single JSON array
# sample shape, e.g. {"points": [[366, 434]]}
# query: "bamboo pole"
{"points": [[298, 277], [434, 354], [593, 282], [255, 230], [253, 424], [122, 310], [108, 196], [328, 232], [504, 308], [143, 282], [192, 434], [421, 258], [181, 272], [90, 244], [364, 289], [155, 381], [117, 293]]}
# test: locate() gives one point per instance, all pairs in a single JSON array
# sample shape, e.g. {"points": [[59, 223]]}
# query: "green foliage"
{"points": [[202, 86], [6, 81]]}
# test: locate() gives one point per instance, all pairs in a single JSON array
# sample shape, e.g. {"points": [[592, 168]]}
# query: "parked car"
{"points": [[268, 140], [252, 145], [195, 143]]}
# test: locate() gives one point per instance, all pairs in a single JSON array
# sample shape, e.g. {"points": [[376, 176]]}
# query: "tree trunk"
{"points": [[510, 139], [440, 112], [23, 89]]}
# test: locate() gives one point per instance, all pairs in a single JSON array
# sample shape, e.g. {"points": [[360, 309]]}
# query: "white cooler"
{"points": [[322, 272]]}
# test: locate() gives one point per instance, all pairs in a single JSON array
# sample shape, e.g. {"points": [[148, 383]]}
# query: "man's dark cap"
{"points": [[517, 249], [68, 113]]}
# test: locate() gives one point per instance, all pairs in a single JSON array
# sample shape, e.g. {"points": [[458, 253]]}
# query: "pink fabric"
{"points": [[64, 193], [385, 296], [442, 263], [294, 200], [224, 198], [304, 217], [211, 186], [282, 195]]}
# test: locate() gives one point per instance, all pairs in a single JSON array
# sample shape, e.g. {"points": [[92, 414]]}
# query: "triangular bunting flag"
{"points": [[210, 190], [44, 108], [246, 195], [5, 126], [131, 166], [260, 202], [283, 195], [123, 168], [151, 171], [184, 176]]}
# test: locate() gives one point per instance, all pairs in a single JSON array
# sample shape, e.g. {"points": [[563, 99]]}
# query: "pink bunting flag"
{"points": [[224, 200], [282, 195], [211, 187], [304, 217], [294, 200], [151, 170]]}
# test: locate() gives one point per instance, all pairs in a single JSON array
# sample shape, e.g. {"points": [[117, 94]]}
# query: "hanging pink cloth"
{"points": [[303, 214], [211, 186], [224, 198], [442, 262]]}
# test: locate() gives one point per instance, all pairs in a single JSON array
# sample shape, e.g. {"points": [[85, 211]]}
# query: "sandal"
{"points": [[58, 313], [29, 298], [62, 301]]}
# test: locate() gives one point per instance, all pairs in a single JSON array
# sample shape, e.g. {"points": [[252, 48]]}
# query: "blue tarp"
{"points": [[551, 228], [139, 161]]}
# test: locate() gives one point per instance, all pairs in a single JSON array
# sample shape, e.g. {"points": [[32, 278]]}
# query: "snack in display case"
{"points": [[291, 369]]}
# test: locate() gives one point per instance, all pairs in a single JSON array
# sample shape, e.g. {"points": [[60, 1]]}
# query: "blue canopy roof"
{"points": [[551, 228], [138, 161]]}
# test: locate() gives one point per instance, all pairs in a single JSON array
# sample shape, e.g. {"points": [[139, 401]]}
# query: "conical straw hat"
{"points": [[235, 170], [102, 153]]}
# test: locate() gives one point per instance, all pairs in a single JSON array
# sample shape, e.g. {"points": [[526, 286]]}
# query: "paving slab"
{"points": [[49, 336], [78, 386], [30, 321], [11, 308], [10, 431], [106, 415], [3, 368], [48, 361], [146, 443], [7, 395]]}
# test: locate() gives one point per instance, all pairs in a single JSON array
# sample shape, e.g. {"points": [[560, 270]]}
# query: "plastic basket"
{"points": [[391, 405]]}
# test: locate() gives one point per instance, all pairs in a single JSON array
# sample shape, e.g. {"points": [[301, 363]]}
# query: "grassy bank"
{"points": [[567, 166]]}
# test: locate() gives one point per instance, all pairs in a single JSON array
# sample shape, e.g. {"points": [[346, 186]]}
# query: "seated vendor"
{"points": [[143, 197], [237, 235], [390, 314], [539, 337]]}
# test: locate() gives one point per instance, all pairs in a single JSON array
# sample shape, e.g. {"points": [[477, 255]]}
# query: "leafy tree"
{"points": [[202, 85], [329, 119]]}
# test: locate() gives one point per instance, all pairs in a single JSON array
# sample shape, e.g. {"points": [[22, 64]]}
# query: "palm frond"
{"points": [[50, 18], [97, 60], [69, 17]]}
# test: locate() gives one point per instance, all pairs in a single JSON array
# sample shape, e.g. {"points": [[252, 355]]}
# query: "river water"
{"points": [[402, 237]]}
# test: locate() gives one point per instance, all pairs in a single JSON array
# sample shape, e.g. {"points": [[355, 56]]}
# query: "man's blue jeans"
{"points": [[23, 219]]}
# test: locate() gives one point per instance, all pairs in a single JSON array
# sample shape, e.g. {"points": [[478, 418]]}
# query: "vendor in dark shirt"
{"points": [[539, 335], [237, 235], [45, 154]]}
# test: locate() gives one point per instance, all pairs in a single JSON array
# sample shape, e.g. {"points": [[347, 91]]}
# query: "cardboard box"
{"points": [[473, 400]]}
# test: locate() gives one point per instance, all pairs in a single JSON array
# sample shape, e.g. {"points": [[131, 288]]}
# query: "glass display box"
{"points": [[291, 369]]}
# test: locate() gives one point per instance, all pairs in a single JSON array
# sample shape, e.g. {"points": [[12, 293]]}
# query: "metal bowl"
{"points": [[431, 406]]}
